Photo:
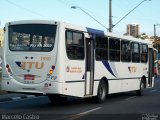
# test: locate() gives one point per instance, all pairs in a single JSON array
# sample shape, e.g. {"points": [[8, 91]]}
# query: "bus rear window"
{"points": [[32, 37]]}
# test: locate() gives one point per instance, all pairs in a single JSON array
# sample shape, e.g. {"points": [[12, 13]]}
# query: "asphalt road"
{"points": [[123, 106]]}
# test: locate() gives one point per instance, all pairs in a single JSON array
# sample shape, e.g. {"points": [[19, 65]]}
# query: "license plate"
{"points": [[29, 77]]}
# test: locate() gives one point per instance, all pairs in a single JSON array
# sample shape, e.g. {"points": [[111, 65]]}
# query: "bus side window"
{"points": [[125, 51], [75, 45], [135, 52], [114, 49], [101, 48], [144, 53]]}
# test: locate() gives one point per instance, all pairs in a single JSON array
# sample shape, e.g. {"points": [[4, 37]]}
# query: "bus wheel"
{"points": [[57, 99], [102, 92], [140, 91]]}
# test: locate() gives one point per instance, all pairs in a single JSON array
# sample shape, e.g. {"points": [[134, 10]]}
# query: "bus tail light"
{"points": [[8, 69], [51, 70], [53, 67]]}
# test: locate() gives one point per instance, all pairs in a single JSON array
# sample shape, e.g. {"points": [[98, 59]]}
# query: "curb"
{"points": [[16, 98]]}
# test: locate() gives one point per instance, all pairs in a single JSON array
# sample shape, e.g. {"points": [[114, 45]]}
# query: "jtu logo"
{"points": [[132, 69], [30, 65]]}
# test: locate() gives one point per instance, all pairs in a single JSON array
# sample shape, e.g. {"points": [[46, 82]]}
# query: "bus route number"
{"points": [[45, 58]]}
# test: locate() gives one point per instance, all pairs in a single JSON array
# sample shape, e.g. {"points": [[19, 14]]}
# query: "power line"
{"points": [[33, 12], [130, 12], [75, 7], [64, 2]]}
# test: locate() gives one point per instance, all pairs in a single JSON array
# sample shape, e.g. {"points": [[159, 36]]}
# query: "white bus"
{"points": [[58, 59]]}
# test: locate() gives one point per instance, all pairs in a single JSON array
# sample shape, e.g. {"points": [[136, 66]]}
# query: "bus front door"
{"points": [[89, 73]]}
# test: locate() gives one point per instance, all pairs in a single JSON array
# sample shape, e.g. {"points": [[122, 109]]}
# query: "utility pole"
{"points": [[110, 15], [155, 36], [156, 45], [154, 31], [111, 26]]}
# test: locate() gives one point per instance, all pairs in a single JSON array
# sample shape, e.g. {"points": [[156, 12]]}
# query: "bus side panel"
{"points": [[70, 72], [122, 77], [102, 70], [75, 78], [131, 75]]}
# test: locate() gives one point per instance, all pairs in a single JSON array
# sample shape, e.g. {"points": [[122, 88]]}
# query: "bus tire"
{"points": [[141, 89], [57, 99], [102, 92]]}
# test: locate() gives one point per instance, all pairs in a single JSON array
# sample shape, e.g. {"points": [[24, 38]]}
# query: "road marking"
{"points": [[86, 112], [76, 116], [16, 98], [131, 97], [153, 90], [31, 96]]}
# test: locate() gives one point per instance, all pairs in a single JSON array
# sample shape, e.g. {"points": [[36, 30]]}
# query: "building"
{"points": [[133, 30], [1, 37]]}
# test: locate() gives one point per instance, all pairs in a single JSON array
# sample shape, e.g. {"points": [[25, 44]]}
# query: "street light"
{"points": [[129, 12], [75, 7]]}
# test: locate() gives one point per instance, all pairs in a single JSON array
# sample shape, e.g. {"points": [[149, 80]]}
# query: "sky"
{"points": [[147, 14]]}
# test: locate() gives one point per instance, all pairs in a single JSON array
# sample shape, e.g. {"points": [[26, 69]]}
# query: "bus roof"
{"points": [[82, 28]]}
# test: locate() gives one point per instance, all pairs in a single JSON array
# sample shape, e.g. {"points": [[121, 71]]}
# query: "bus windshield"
{"points": [[32, 37]]}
